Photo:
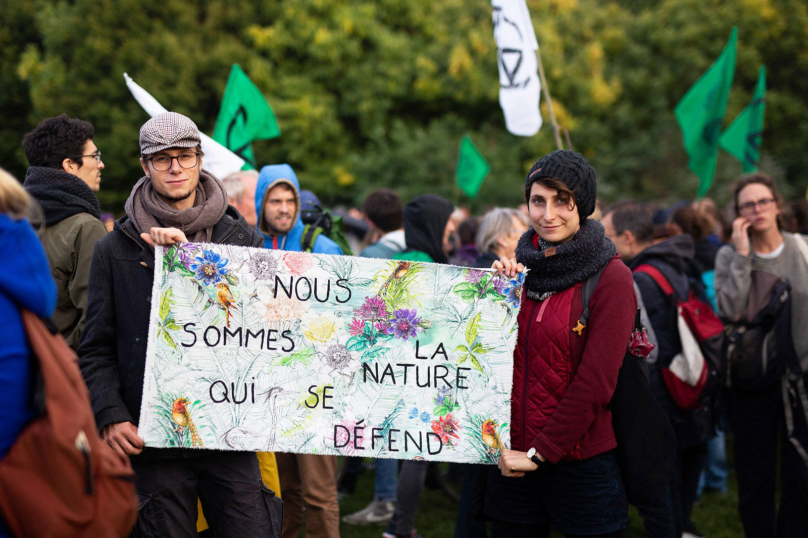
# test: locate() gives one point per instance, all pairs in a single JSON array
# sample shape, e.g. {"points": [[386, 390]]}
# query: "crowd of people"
{"points": [[92, 276]]}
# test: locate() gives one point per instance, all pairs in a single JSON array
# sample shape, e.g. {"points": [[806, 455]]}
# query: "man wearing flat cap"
{"points": [[176, 201]]}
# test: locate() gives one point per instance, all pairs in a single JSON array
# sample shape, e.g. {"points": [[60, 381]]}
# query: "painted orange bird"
{"points": [[225, 297], [490, 436], [181, 415]]}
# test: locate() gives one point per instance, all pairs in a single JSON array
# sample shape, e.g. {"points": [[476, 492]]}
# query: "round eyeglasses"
{"points": [[161, 163]]}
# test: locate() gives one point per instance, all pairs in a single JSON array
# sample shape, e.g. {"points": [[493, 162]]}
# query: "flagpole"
{"points": [[546, 91]]}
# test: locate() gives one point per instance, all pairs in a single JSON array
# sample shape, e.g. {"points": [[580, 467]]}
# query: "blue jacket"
{"points": [[269, 177]]}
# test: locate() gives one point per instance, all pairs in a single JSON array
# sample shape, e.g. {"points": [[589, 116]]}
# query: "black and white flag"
{"points": [[516, 55]]}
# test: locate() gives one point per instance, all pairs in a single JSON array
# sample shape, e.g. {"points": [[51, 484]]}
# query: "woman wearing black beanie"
{"points": [[562, 472]]}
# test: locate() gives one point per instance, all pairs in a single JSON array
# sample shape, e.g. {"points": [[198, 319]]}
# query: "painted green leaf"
{"points": [[167, 339], [302, 357], [466, 291], [373, 353], [476, 363], [471, 329], [463, 358], [165, 303], [357, 343], [231, 279], [463, 348], [478, 348], [171, 324]]}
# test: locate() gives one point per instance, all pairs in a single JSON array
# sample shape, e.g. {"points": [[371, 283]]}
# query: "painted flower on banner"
{"points": [[473, 276], [446, 428], [513, 290], [499, 285], [263, 265], [335, 357], [356, 327], [210, 268], [405, 324], [320, 329], [373, 309], [414, 414], [443, 392], [185, 252], [298, 262], [273, 310]]}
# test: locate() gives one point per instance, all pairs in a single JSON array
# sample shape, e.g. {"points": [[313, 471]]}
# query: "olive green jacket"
{"points": [[69, 245]]}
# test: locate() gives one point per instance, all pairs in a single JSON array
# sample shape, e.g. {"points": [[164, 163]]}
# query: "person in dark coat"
{"points": [[562, 471], [630, 226], [174, 202]]}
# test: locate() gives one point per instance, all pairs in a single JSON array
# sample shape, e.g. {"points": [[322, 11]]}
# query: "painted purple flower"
{"points": [[210, 268], [356, 327], [499, 285], [372, 309], [382, 326], [186, 256], [473, 276], [405, 323]]}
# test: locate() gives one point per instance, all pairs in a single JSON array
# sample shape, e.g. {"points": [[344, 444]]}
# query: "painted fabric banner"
{"points": [[266, 350]]}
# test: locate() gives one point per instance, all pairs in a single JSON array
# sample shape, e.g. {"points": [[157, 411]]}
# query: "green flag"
{"points": [[743, 137], [701, 112], [471, 168], [245, 115]]}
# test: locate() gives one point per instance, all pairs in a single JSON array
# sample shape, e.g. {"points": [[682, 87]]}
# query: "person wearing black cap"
{"points": [[562, 472]]}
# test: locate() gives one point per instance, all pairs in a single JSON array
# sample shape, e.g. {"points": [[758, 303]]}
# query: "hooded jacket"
{"points": [[27, 284], [73, 225], [674, 259], [425, 219], [270, 177]]}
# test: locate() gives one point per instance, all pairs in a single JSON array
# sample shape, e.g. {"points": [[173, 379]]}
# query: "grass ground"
{"points": [[715, 515]]}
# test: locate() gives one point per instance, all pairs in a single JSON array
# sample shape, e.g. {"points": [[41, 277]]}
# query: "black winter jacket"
{"points": [[112, 353], [674, 259]]}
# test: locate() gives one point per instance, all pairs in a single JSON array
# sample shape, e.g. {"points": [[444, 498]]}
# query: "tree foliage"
{"points": [[372, 93]]}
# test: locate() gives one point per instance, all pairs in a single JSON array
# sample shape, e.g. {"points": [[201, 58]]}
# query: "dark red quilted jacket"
{"points": [[563, 382]]}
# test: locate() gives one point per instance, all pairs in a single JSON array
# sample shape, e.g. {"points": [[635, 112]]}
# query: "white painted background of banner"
{"points": [[191, 388]]}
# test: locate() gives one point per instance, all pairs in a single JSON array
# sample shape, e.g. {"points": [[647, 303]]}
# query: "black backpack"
{"points": [[316, 221], [756, 353], [646, 443]]}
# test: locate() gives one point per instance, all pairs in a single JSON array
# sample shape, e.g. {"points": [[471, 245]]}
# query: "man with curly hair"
{"points": [[64, 175]]}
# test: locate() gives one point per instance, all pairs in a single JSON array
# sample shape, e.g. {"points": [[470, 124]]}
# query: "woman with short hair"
{"points": [[562, 471]]}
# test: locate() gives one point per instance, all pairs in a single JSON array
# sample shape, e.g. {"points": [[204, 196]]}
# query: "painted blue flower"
{"points": [[443, 393], [425, 417], [413, 413], [210, 268], [405, 323], [513, 293]]}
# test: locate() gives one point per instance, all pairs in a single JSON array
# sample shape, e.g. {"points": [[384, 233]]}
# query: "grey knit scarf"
{"points": [[148, 209], [556, 267]]}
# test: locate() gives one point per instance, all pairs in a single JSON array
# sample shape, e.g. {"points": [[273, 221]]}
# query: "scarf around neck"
{"points": [[557, 266], [148, 209], [61, 195]]}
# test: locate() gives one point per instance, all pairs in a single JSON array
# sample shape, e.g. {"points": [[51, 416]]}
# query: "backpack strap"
{"points": [[657, 277], [310, 234], [587, 289], [802, 245]]}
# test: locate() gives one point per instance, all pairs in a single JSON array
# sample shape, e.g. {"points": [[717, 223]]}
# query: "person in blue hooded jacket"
{"points": [[277, 203], [27, 284]]}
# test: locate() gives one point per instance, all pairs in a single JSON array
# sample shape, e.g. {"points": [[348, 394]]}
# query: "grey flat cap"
{"points": [[168, 130]]}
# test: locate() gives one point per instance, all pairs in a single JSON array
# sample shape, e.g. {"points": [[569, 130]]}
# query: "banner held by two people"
{"points": [[263, 350]]}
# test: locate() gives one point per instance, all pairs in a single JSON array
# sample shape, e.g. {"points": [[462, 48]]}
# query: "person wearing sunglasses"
{"points": [[63, 177], [747, 272]]}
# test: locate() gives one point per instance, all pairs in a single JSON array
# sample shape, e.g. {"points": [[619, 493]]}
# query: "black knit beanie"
{"points": [[573, 170]]}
